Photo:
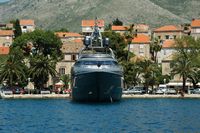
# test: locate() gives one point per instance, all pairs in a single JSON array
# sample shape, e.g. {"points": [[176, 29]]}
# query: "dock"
{"points": [[67, 96]]}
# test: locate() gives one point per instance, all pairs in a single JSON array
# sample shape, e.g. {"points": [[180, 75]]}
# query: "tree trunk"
{"points": [[184, 87]]}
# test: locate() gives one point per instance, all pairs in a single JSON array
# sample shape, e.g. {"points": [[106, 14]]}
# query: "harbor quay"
{"points": [[67, 96]]}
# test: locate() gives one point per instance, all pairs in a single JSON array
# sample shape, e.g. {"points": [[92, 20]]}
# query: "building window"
{"points": [[73, 57], [24, 27], [174, 36], [61, 71], [141, 49], [167, 37], [159, 37]]}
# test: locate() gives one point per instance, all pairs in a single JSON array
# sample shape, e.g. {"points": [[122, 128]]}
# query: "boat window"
{"points": [[96, 63]]}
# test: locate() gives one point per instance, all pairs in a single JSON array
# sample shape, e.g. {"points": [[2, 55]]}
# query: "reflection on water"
{"points": [[130, 115]]}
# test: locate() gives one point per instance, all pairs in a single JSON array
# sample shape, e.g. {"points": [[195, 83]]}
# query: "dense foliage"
{"points": [[33, 55]]}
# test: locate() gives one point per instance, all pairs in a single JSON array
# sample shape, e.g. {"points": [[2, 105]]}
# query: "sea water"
{"points": [[127, 116]]}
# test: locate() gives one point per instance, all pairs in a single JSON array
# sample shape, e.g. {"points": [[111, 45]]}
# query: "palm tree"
{"points": [[183, 62], [131, 73], [65, 79], [40, 68], [182, 65], [129, 35], [155, 47], [14, 69], [147, 72]]}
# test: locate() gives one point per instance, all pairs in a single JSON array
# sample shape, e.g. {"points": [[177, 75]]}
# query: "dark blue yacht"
{"points": [[96, 76]]}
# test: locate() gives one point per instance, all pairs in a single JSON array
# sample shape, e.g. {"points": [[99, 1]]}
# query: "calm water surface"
{"points": [[127, 116]]}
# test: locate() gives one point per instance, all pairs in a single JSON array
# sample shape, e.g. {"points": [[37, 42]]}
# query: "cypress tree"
{"points": [[17, 28]]}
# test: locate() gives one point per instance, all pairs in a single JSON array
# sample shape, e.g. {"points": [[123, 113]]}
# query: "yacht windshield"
{"points": [[111, 63]]}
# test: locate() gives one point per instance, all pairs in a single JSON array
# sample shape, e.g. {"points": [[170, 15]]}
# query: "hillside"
{"points": [[50, 14]]}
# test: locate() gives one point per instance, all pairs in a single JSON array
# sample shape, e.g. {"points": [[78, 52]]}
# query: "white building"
{"points": [[27, 25]]}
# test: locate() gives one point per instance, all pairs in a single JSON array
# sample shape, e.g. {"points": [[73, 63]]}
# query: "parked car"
{"points": [[6, 90], [170, 91], [191, 91], [159, 91], [196, 91], [133, 90]]}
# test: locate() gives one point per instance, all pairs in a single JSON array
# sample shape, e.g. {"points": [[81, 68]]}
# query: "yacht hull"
{"points": [[97, 87]]}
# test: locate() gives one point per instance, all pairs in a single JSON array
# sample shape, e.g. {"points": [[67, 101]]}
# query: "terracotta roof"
{"points": [[168, 44], [27, 22], [67, 34], [6, 33], [72, 47], [4, 50], [92, 23], [119, 28], [195, 23], [168, 28], [141, 38]]}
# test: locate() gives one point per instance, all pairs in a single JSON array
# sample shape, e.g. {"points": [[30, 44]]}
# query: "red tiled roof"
{"points": [[67, 34], [141, 38], [27, 22], [168, 28], [168, 44], [195, 23], [100, 23], [119, 28], [4, 50], [6, 33]]}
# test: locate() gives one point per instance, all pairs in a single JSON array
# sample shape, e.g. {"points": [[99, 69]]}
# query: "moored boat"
{"points": [[96, 75]]}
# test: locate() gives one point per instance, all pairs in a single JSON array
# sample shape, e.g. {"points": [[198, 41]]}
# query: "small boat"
{"points": [[96, 76]]}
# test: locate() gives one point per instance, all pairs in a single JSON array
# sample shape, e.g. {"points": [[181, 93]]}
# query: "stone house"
{"points": [[167, 50], [6, 26], [69, 37], [168, 32], [195, 28], [27, 25], [141, 29], [166, 69], [140, 46], [88, 25], [70, 52], [6, 37]]}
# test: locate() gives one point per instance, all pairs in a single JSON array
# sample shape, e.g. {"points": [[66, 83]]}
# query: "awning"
{"points": [[178, 84]]}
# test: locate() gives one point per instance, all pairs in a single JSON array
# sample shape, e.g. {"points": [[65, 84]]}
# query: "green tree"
{"points": [[14, 69], [40, 42], [117, 44], [65, 79], [155, 47], [131, 73], [129, 35], [184, 60], [40, 68], [117, 22], [17, 28], [148, 69]]}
